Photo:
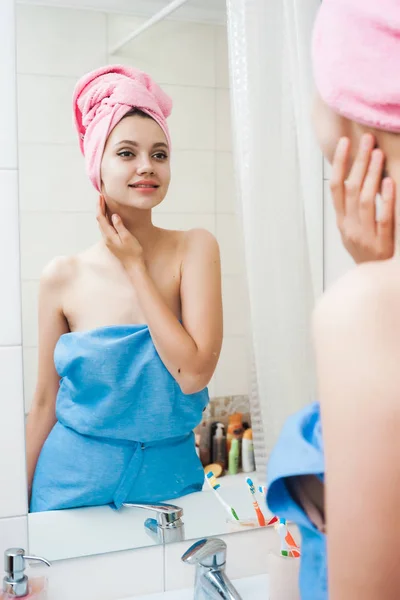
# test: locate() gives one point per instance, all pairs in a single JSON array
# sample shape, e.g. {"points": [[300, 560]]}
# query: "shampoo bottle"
{"points": [[219, 446], [205, 443], [248, 463], [235, 423], [234, 457]]}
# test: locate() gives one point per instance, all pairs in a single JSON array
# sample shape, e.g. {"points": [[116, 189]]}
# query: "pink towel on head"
{"points": [[356, 57], [101, 98]]}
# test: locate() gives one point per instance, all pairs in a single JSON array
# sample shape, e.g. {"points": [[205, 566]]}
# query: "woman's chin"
{"points": [[141, 203]]}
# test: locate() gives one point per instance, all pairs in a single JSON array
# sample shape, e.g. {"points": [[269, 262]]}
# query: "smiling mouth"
{"points": [[144, 185]]}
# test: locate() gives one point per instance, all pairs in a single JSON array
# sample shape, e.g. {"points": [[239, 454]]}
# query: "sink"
{"points": [[250, 588]]}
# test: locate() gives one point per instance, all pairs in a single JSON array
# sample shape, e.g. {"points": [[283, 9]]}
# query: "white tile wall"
{"points": [[10, 311], [233, 372], [45, 235], [230, 241], [30, 294], [45, 109], [192, 121], [222, 61], [13, 501], [56, 28], [62, 186], [30, 362], [13, 534], [236, 305], [226, 189], [175, 52], [8, 108], [223, 129]]}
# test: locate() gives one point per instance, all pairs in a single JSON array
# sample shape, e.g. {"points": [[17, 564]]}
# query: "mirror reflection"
{"points": [[137, 359]]}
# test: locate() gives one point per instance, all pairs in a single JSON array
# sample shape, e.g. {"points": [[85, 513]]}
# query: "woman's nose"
{"points": [[145, 164]]}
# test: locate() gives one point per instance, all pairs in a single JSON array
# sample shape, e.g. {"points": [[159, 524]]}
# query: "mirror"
{"points": [[125, 427]]}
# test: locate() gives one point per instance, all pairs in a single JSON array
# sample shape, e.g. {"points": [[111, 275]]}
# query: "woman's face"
{"points": [[135, 168], [329, 127]]}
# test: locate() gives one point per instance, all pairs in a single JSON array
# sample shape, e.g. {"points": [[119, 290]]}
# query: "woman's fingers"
{"points": [[120, 228], [385, 225], [369, 191], [106, 229], [355, 180]]}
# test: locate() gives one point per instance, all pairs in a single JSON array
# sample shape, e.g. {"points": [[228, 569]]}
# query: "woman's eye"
{"points": [[160, 156], [125, 153]]}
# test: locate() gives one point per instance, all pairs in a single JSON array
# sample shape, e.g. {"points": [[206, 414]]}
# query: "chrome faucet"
{"points": [[211, 583], [168, 526]]}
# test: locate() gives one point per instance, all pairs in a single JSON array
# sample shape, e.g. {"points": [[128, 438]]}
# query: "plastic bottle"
{"points": [[205, 443], [234, 457], [235, 424], [219, 446], [248, 462]]}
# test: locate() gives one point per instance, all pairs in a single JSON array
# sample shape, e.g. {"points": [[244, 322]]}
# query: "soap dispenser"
{"points": [[16, 583]]}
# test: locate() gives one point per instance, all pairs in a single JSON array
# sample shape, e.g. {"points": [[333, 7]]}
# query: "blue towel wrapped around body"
{"points": [[124, 430], [299, 451]]}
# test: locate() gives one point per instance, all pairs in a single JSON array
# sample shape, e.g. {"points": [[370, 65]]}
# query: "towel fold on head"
{"points": [[102, 98], [356, 58]]}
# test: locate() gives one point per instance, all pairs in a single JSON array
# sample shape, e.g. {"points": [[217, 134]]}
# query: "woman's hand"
{"points": [[365, 238], [117, 238]]}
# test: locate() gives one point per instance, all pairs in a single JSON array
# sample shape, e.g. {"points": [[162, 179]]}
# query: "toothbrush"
{"points": [[260, 516], [214, 485], [288, 538], [288, 545], [263, 490]]}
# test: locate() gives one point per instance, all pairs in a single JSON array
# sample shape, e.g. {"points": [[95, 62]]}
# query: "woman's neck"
{"points": [[138, 222]]}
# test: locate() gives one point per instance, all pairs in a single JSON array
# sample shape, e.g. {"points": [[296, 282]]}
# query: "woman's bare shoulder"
{"points": [[201, 239], [192, 240], [60, 271], [64, 269], [368, 294]]}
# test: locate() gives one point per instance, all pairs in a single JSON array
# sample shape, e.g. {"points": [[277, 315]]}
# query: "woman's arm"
{"points": [[52, 324], [357, 337], [190, 350]]}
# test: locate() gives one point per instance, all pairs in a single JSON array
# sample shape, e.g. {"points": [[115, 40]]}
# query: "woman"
{"points": [[130, 330], [346, 481]]}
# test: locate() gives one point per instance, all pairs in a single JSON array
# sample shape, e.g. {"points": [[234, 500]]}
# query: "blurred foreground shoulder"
{"points": [[367, 297]]}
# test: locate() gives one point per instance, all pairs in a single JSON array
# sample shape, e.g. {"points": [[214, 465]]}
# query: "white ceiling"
{"points": [[213, 11]]}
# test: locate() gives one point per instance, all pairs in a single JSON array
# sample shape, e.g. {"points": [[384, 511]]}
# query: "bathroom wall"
{"points": [[56, 198], [337, 261]]}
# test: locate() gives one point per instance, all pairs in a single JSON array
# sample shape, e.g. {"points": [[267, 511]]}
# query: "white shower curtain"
{"points": [[280, 181]]}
